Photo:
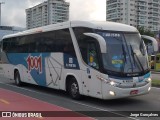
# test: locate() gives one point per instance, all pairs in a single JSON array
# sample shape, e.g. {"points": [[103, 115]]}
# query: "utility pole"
{"points": [[0, 11]]}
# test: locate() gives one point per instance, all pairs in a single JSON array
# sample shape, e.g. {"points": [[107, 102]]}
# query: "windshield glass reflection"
{"points": [[125, 52]]}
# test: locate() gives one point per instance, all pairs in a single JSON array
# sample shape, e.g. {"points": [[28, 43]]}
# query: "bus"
{"points": [[151, 44], [105, 60], [152, 49]]}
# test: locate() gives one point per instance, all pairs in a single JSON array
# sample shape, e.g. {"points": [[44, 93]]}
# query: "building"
{"points": [[48, 12], [138, 13], [5, 30]]}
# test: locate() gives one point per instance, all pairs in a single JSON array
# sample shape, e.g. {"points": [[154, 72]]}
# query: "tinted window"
{"points": [[88, 46], [92, 55], [54, 41], [82, 40], [10, 45]]}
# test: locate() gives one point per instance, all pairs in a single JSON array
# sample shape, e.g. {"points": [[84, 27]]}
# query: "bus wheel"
{"points": [[17, 79], [73, 89]]}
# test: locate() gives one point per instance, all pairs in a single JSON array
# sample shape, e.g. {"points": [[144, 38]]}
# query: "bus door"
{"points": [[92, 86]]}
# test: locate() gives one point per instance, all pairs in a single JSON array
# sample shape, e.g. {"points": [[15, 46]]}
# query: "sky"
{"points": [[13, 11]]}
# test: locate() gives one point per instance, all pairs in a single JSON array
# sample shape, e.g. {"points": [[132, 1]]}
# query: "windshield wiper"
{"points": [[134, 54], [124, 58], [124, 53]]}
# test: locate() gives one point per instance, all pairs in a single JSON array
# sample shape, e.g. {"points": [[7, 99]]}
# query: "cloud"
{"points": [[87, 9], [32, 3], [13, 11]]}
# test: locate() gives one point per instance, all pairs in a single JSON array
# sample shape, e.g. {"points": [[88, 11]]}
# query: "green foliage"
{"points": [[156, 83], [144, 31]]}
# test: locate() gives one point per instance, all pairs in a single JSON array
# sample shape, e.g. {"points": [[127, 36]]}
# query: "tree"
{"points": [[144, 31]]}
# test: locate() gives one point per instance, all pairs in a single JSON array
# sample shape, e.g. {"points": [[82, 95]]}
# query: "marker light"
{"points": [[149, 89], [112, 93]]}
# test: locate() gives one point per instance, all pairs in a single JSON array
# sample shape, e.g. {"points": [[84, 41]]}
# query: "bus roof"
{"points": [[103, 25]]}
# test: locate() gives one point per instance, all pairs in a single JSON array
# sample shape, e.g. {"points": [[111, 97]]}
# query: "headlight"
{"points": [[103, 79], [112, 83], [108, 81], [149, 80]]}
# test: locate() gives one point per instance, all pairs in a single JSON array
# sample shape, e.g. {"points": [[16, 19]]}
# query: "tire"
{"points": [[18, 79], [73, 89]]}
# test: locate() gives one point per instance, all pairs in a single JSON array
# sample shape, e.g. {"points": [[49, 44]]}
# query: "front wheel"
{"points": [[18, 79], [73, 89]]}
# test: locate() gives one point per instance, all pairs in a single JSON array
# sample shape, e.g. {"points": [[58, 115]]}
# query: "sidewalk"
{"points": [[14, 105]]}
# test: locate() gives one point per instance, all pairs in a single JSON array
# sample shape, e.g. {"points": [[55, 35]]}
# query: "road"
{"points": [[156, 76], [149, 102]]}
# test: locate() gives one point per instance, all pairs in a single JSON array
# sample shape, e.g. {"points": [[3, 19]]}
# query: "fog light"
{"points": [[112, 93], [149, 88]]}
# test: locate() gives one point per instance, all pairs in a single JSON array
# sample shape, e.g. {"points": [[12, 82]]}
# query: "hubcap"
{"points": [[74, 89]]}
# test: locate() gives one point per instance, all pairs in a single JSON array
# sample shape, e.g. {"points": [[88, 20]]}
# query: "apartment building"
{"points": [[48, 12], [138, 13]]}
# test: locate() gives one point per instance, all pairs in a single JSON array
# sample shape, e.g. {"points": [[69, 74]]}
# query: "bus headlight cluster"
{"points": [[149, 80], [116, 84], [112, 83], [103, 79]]}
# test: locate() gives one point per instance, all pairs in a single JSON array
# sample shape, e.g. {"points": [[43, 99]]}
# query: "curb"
{"points": [[155, 72]]}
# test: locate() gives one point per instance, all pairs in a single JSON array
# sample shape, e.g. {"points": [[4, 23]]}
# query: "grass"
{"points": [[156, 83]]}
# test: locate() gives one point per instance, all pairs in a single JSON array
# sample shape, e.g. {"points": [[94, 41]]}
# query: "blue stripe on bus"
{"points": [[147, 75], [21, 58]]}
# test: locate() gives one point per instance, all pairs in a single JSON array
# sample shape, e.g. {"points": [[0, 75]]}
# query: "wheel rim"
{"points": [[74, 89]]}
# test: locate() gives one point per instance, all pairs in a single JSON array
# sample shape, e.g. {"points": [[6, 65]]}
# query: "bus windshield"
{"points": [[126, 53]]}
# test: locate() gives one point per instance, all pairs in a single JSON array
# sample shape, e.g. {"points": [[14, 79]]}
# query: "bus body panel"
{"points": [[89, 78], [7, 70], [25, 76], [53, 69]]}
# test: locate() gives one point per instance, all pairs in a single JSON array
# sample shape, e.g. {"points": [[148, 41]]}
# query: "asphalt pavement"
{"points": [[140, 104], [155, 75]]}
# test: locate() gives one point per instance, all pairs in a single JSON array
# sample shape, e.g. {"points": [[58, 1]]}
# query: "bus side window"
{"points": [[92, 55]]}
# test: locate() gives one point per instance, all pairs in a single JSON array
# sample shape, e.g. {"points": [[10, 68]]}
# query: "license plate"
{"points": [[134, 92]]}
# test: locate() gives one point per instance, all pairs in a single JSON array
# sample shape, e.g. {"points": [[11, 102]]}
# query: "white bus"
{"points": [[105, 60], [151, 44]]}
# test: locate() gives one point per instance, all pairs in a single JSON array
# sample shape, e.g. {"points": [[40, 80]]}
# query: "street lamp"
{"points": [[159, 40], [0, 11]]}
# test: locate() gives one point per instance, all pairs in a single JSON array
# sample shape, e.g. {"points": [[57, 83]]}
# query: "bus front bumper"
{"points": [[111, 92]]}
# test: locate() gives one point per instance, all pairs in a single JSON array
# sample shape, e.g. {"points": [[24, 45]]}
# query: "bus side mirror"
{"points": [[100, 40], [153, 40]]}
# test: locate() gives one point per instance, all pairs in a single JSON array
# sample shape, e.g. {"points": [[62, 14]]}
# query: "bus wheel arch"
{"points": [[17, 78], [72, 87]]}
